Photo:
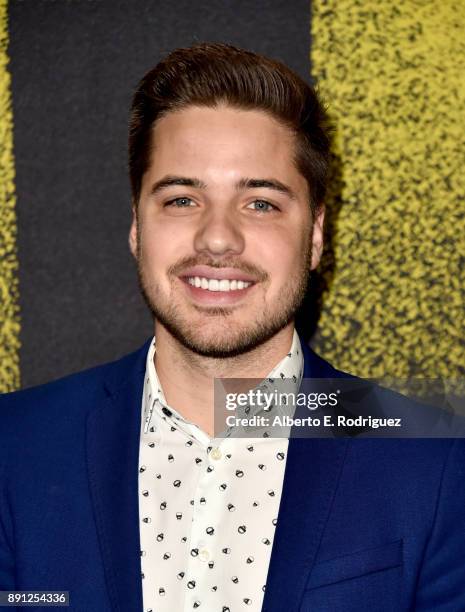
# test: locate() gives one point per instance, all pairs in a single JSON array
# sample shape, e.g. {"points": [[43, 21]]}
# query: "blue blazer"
{"points": [[365, 525]]}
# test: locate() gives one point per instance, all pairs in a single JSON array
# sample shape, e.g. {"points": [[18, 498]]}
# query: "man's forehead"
{"points": [[197, 121], [223, 143]]}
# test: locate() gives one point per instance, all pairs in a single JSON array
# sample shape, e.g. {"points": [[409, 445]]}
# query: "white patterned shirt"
{"points": [[208, 507]]}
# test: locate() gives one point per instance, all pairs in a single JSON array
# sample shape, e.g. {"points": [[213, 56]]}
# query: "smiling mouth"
{"points": [[217, 285]]}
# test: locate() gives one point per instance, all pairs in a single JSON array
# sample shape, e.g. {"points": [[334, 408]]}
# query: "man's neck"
{"points": [[187, 379]]}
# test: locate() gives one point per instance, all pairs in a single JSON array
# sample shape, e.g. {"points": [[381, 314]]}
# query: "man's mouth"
{"points": [[217, 291], [215, 284]]}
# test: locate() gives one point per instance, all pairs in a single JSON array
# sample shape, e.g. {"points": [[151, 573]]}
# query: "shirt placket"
{"points": [[204, 579]]}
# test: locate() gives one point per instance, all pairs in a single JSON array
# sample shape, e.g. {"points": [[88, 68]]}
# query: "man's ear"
{"points": [[317, 236], [133, 234]]}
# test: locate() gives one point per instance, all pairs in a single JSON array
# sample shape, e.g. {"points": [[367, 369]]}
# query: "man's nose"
{"points": [[219, 233]]}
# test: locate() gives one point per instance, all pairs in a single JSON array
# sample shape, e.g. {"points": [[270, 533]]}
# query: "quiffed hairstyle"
{"points": [[209, 74]]}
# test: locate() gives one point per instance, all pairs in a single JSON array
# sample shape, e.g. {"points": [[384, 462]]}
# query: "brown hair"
{"points": [[211, 73]]}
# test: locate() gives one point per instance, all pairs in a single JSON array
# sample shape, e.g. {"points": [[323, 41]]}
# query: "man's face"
{"points": [[223, 234]]}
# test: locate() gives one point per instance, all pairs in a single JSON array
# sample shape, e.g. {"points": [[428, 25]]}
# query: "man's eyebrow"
{"points": [[255, 183], [244, 183], [169, 181]]}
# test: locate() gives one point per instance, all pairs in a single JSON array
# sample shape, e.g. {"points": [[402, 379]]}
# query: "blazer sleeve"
{"points": [[7, 564], [441, 584]]}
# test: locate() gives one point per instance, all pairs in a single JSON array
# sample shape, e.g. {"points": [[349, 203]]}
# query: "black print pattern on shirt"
{"points": [[208, 511]]}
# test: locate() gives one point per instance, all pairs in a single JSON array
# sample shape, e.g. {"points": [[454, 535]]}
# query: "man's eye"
{"points": [[179, 202], [263, 206]]}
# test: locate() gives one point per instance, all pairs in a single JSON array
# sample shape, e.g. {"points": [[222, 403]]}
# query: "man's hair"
{"points": [[210, 74]]}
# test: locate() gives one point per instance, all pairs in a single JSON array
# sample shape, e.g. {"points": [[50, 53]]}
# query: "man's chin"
{"points": [[217, 345], [220, 341]]}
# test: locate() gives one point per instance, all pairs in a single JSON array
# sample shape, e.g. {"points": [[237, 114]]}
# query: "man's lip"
{"points": [[217, 273]]}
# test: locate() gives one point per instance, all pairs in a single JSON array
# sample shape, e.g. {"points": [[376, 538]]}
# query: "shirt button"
{"points": [[216, 453], [204, 555]]}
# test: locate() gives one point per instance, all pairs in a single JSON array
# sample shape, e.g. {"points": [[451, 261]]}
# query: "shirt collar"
{"points": [[290, 368]]}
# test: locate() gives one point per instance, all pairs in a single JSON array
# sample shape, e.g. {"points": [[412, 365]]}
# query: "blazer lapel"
{"points": [[312, 472], [113, 431]]}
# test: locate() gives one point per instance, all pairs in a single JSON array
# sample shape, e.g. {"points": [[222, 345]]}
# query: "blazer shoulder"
{"points": [[72, 392], [317, 367]]}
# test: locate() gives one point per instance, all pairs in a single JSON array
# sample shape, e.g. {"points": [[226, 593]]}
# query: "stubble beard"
{"points": [[225, 341]]}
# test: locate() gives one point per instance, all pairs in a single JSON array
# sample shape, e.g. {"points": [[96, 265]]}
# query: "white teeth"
{"points": [[214, 284]]}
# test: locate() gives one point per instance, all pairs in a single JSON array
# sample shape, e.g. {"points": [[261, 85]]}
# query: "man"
{"points": [[113, 484]]}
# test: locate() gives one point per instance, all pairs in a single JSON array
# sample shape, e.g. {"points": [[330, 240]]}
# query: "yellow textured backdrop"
{"points": [[393, 75], [9, 292]]}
